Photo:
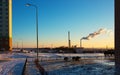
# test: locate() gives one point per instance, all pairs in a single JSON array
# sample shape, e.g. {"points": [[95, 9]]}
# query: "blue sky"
{"points": [[57, 17]]}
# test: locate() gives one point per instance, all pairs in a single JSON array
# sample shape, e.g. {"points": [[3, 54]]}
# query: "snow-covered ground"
{"points": [[82, 67], [11, 63], [88, 69], [90, 64]]}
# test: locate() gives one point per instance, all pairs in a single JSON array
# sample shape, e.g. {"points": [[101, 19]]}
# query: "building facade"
{"points": [[5, 24], [117, 36]]}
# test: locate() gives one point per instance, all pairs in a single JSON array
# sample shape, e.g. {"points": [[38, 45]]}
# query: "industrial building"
{"points": [[5, 24]]}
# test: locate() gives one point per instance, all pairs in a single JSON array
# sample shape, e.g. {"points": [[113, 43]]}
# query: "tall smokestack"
{"points": [[69, 42], [80, 43]]}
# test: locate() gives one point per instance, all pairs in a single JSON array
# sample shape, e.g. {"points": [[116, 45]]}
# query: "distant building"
{"points": [[5, 24]]}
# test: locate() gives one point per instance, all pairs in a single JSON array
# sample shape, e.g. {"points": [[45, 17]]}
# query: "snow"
{"points": [[8, 62], [12, 63], [80, 69], [99, 66], [5, 67]]}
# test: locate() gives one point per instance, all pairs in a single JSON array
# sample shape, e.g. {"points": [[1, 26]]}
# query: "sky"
{"points": [[57, 17]]}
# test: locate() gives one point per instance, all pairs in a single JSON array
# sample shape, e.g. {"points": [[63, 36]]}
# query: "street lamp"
{"points": [[36, 24]]}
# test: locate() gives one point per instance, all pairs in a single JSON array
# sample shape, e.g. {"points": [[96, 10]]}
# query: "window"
{"points": [[6, 9], [0, 9], [6, 4], [6, 30], [6, 13], [6, 34], [6, 25], [0, 29], [6, 42], [7, 21], [6, 0], [0, 17], [0, 38], [0, 35], [0, 4], [0, 21], [7, 17], [0, 12]]}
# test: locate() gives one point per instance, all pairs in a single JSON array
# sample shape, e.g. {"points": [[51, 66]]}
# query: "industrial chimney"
{"points": [[69, 42], [80, 43]]}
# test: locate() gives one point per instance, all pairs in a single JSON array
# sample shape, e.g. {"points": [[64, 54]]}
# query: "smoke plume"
{"points": [[92, 35]]}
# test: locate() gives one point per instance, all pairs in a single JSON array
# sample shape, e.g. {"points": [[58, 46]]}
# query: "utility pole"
{"points": [[36, 9]]}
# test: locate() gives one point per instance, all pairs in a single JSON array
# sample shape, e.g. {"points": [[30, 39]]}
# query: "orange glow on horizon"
{"points": [[104, 41], [85, 44]]}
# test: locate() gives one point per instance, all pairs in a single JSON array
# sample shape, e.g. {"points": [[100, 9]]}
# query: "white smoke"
{"points": [[92, 35]]}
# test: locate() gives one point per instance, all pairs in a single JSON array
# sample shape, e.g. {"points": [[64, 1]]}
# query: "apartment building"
{"points": [[5, 24]]}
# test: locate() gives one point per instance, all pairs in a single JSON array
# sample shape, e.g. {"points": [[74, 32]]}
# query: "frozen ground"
{"points": [[82, 67], [12, 63], [7, 67], [88, 69]]}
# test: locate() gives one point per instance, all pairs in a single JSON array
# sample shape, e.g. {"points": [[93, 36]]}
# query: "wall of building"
{"points": [[10, 24], [117, 36], [5, 24]]}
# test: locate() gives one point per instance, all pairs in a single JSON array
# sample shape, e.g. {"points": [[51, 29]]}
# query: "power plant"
{"points": [[90, 36]]}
